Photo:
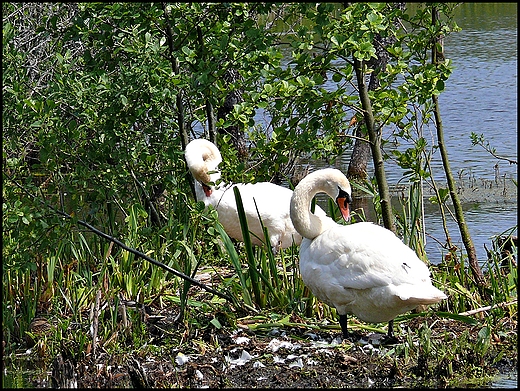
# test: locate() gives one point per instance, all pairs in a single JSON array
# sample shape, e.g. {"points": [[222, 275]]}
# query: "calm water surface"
{"points": [[481, 97]]}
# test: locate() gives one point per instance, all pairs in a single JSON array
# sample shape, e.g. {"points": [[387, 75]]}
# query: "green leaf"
{"points": [[461, 318], [443, 193], [215, 323]]}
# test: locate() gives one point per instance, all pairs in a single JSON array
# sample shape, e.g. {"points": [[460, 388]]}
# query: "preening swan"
{"points": [[272, 201], [362, 268]]}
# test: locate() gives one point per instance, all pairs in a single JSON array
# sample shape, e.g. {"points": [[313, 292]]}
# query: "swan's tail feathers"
{"points": [[420, 295]]}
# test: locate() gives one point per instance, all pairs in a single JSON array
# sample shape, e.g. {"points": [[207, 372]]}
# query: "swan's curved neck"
{"points": [[203, 158], [307, 223]]}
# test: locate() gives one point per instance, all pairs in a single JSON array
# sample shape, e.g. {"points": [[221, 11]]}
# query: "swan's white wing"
{"points": [[266, 199], [365, 255], [365, 269]]}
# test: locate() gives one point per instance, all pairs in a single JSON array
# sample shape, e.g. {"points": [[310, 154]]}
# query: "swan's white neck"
{"points": [[330, 181]]}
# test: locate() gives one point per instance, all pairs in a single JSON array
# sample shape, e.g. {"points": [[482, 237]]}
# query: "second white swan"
{"points": [[272, 201], [362, 268]]}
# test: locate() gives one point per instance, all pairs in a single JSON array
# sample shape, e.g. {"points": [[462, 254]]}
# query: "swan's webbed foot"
{"points": [[390, 340], [349, 336]]}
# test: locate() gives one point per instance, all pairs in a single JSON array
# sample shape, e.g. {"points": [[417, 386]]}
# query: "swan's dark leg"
{"points": [[390, 337], [343, 323], [391, 329]]}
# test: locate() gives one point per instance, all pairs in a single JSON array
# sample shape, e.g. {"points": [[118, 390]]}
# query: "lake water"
{"points": [[480, 97]]}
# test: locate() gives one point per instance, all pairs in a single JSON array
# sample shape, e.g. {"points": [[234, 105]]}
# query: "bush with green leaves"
{"points": [[100, 99]]}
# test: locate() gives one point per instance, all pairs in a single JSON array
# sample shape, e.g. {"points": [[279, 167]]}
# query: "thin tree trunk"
{"points": [[176, 69], [183, 133], [374, 135], [438, 56], [233, 97], [212, 131], [211, 136], [357, 168]]}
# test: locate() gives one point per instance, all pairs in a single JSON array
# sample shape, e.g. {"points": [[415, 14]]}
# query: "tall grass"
{"points": [[273, 279], [64, 281], [267, 286]]}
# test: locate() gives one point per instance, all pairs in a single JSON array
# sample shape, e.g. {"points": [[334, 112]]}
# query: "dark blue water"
{"points": [[481, 97]]}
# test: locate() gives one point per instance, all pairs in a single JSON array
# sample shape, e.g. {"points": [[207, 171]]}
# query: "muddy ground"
{"points": [[286, 357]]}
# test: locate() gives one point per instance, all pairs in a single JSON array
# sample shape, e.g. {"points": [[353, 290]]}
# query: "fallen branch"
{"points": [[487, 308], [151, 260], [129, 249]]}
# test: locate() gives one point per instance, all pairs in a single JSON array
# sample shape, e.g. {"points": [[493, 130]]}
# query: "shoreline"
{"points": [[482, 191]]}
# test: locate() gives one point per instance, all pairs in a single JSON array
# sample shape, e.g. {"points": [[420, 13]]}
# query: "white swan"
{"points": [[362, 268], [272, 201]]}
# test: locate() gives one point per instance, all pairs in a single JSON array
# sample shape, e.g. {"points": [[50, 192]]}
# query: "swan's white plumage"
{"points": [[362, 268], [272, 201]]}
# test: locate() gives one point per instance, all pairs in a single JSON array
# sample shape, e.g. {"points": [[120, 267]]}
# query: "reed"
{"points": [[272, 278]]}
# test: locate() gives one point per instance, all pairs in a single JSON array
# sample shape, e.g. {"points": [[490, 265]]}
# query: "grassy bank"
{"points": [[88, 299]]}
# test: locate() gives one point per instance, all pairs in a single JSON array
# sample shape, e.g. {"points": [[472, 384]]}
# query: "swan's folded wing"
{"points": [[350, 269], [359, 261]]}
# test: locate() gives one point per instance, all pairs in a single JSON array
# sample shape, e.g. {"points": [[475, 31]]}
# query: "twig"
{"points": [[493, 153], [144, 256], [482, 309], [146, 196], [123, 313]]}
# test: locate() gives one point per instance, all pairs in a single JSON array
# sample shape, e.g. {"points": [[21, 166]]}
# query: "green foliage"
{"points": [[91, 127], [410, 222]]}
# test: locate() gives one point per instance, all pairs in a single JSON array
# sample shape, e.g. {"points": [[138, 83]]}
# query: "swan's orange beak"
{"points": [[344, 208], [343, 200]]}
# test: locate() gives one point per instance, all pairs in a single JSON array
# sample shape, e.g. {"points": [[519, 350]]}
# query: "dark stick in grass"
{"points": [[129, 249]]}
